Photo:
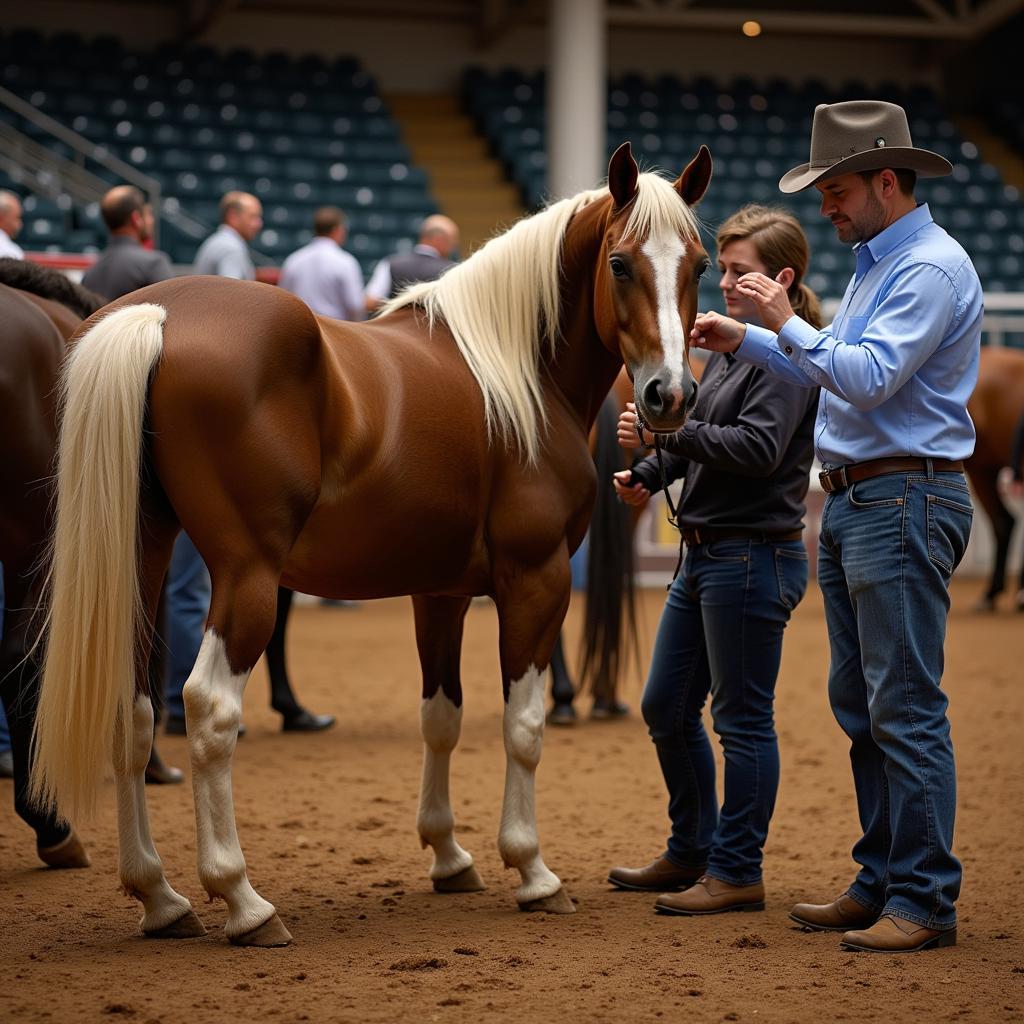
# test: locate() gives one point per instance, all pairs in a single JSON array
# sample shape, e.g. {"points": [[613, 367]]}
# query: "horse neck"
{"points": [[583, 370]]}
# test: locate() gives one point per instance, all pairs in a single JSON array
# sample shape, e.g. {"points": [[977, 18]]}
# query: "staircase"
{"points": [[467, 182]]}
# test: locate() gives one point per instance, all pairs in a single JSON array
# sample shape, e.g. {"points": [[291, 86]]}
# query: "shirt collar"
{"points": [[425, 250], [227, 229], [896, 233]]}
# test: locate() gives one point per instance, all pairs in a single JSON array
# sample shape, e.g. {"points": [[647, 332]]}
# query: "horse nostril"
{"points": [[654, 398], [691, 398]]}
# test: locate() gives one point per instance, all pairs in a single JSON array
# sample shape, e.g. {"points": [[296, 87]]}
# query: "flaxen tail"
{"points": [[94, 611]]}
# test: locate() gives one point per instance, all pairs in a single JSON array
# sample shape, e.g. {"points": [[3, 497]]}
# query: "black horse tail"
{"points": [[610, 598]]}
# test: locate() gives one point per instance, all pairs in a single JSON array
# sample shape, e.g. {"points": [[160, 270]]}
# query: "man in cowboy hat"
{"points": [[896, 367]]}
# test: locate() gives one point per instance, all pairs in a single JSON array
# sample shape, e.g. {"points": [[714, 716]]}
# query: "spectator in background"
{"points": [[322, 273], [226, 252], [125, 265], [10, 225], [429, 259]]}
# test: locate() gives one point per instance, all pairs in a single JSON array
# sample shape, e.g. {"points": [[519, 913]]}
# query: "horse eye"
{"points": [[619, 267], [702, 269]]}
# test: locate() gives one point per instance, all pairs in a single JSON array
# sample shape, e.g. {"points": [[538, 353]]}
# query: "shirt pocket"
{"points": [[853, 329]]}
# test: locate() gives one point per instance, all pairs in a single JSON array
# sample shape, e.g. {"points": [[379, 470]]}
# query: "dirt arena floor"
{"points": [[328, 827]]}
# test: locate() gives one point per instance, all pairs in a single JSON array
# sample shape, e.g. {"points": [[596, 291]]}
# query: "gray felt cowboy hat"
{"points": [[861, 135]]}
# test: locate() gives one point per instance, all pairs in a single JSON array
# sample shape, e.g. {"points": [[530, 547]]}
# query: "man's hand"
{"points": [[770, 298], [636, 495], [626, 429], [716, 332]]}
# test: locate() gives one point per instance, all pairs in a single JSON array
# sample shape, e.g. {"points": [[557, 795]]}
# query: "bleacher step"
{"points": [[993, 149], [467, 183]]}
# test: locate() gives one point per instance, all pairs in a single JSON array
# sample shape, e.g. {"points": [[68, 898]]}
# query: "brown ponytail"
{"points": [[780, 242]]}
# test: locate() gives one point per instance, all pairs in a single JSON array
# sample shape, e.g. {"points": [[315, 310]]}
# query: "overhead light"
{"points": [[751, 28]]}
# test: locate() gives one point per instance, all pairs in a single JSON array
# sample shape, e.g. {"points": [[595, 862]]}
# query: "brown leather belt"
{"points": [[708, 535], [842, 476]]}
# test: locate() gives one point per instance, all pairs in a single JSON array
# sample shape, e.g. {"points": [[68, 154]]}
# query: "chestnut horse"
{"points": [[439, 451], [996, 407], [39, 311]]}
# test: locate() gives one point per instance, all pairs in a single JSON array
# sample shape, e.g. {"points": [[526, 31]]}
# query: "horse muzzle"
{"points": [[663, 405]]}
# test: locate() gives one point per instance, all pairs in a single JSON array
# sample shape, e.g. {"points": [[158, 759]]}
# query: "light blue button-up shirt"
{"points": [[900, 360], [226, 254]]}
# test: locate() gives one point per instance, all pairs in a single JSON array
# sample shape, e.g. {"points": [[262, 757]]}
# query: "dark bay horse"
{"points": [[996, 407], [39, 311], [439, 451]]}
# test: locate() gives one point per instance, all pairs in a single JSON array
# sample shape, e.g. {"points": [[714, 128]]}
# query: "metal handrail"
{"points": [[50, 172], [43, 159], [81, 144]]}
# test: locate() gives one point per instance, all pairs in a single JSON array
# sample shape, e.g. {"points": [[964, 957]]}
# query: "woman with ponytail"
{"points": [[745, 454]]}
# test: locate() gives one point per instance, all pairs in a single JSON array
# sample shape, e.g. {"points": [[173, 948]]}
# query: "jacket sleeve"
{"points": [[647, 469], [756, 442]]}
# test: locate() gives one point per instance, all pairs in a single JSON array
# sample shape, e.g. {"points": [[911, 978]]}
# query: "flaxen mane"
{"points": [[502, 304]]}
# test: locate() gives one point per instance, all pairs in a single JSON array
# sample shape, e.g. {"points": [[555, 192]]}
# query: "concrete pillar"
{"points": [[577, 100]]}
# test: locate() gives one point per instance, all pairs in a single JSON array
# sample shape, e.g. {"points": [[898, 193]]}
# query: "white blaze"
{"points": [[665, 255]]}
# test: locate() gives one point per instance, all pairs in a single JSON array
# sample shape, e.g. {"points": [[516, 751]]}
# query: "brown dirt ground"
{"points": [[328, 827]]}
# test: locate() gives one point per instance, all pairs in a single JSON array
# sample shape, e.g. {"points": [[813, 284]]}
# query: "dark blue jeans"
{"points": [[721, 633], [187, 600], [888, 548]]}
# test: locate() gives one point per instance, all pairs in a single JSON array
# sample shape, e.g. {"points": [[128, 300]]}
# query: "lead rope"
{"points": [[673, 511]]}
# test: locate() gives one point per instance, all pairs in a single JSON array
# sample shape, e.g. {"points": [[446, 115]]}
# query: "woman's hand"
{"points": [[636, 495], [769, 296], [716, 332], [626, 429]]}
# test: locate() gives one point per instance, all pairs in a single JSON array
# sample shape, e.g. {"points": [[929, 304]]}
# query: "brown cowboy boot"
{"points": [[897, 935], [840, 915], [712, 896], [661, 875]]}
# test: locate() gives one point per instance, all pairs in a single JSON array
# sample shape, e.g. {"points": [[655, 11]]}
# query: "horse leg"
{"points": [[242, 614], [56, 842], [987, 492], [532, 602], [563, 693], [439, 622], [282, 697], [166, 913]]}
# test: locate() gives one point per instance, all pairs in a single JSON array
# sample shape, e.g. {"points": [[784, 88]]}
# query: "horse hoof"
{"points": [[68, 853], [1018, 601], [269, 934], [562, 714], [188, 926], [467, 880], [556, 903]]}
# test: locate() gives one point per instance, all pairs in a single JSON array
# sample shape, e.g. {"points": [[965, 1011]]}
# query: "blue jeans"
{"points": [[187, 600], [721, 633], [889, 546]]}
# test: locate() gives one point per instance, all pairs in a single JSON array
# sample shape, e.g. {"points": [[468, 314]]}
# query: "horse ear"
{"points": [[622, 175], [693, 182]]}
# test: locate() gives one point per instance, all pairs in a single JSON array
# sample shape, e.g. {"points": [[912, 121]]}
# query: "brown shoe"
{"points": [[660, 875], [896, 935], [839, 916], [712, 896]]}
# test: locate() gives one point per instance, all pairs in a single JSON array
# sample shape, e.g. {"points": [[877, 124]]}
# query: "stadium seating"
{"points": [[756, 133], [297, 133]]}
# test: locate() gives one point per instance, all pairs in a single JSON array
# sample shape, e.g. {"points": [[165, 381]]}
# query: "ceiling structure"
{"points": [[954, 20]]}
